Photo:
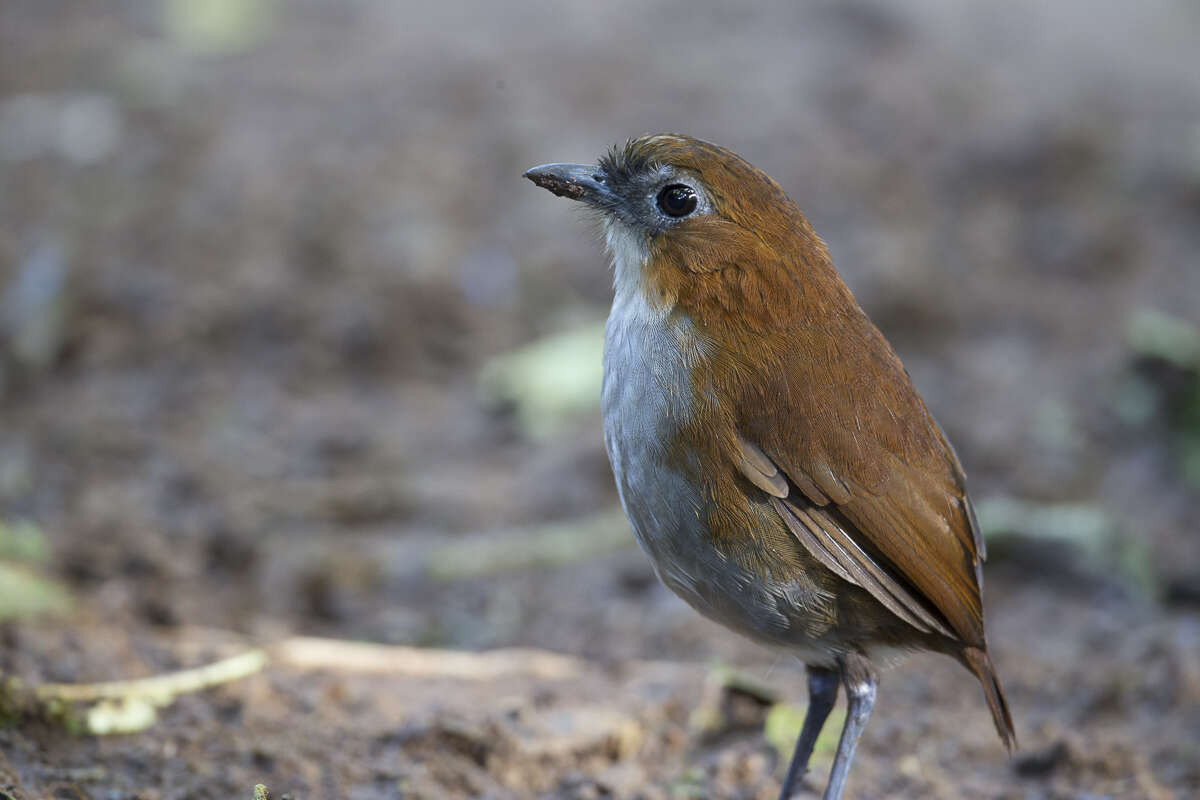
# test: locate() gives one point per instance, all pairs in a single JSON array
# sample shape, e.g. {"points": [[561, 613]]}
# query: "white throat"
{"points": [[627, 249]]}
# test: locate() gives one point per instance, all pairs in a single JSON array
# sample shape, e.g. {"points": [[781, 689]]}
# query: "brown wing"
{"points": [[873, 490]]}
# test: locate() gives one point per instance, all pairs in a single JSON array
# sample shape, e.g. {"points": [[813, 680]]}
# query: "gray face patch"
{"points": [[634, 188]]}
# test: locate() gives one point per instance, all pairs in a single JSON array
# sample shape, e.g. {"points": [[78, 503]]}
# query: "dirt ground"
{"points": [[257, 259]]}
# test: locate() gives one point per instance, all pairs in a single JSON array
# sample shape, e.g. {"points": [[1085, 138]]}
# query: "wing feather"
{"points": [[826, 540], [878, 494]]}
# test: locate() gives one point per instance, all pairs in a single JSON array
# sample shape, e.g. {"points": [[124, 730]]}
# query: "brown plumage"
{"points": [[785, 422]]}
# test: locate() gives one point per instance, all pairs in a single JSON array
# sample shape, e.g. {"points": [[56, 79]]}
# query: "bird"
{"points": [[770, 451]]}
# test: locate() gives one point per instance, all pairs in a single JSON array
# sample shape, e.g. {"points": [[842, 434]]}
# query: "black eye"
{"points": [[677, 200]]}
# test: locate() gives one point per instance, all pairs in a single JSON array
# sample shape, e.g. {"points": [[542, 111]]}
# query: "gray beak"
{"points": [[575, 181]]}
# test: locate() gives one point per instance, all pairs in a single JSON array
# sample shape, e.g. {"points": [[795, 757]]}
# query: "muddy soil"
{"points": [[256, 256]]}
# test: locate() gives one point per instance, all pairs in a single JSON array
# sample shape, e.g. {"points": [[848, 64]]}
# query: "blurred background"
{"points": [[288, 346]]}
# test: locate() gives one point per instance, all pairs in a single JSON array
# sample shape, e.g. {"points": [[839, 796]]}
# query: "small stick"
{"points": [[159, 689], [342, 656]]}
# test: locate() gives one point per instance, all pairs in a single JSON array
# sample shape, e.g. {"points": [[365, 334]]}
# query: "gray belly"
{"points": [[643, 405]]}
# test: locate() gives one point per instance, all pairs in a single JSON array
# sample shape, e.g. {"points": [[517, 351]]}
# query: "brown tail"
{"points": [[978, 662]]}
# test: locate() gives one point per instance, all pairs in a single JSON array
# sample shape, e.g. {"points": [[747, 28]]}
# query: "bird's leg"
{"points": [[861, 682], [822, 694]]}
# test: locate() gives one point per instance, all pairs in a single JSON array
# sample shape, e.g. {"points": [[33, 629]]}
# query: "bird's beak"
{"points": [[575, 181]]}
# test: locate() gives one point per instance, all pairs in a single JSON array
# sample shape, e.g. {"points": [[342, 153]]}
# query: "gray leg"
{"points": [[861, 682], [822, 694]]}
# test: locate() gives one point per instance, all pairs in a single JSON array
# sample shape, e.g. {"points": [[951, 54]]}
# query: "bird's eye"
{"points": [[677, 200]]}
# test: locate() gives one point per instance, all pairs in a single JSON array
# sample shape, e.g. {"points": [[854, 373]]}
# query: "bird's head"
{"points": [[684, 218]]}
